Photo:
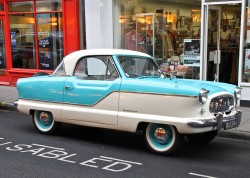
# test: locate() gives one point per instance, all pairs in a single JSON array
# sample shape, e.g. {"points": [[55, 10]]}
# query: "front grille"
{"points": [[223, 103]]}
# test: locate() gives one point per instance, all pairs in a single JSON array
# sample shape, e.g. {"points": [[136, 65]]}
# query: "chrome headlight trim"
{"points": [[237, 94], [203, 95]]}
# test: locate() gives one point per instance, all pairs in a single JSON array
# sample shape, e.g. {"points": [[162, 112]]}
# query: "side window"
{"points": [[96, 68], [60, 70]]}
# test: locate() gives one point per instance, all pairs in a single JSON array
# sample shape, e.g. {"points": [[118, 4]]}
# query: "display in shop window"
{"points": [[44, 41], [192, 52]]}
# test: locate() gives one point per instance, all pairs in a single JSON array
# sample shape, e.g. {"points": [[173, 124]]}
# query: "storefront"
{"points": [[35, 35], [192, 39]]}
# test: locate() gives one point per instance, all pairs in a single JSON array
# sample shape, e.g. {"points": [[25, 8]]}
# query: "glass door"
{"points": [[221, 42], [213, 42]]}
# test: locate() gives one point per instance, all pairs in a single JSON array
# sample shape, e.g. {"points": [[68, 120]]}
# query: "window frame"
{"points": [[110, 61], [35, 25]]}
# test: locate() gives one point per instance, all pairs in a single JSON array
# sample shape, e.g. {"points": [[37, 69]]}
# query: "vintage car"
{"points": [[127, 91]]}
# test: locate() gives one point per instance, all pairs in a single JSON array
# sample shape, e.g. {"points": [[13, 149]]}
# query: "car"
{"points": [[127, 91]]}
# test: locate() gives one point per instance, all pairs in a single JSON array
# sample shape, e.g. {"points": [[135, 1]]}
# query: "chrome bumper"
{"points": [[218, 122], [15, 103]]}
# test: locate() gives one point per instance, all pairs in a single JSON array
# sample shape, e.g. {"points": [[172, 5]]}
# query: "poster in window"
{"points": [[247, 61], [191, 52], [44, 42], [13, 39]]}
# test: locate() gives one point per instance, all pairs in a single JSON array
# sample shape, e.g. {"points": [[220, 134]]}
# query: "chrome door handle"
{"points": [[68, 87]]}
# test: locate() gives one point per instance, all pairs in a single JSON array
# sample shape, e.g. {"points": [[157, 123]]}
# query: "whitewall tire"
{"points": [[162, 139], [44, 122]]}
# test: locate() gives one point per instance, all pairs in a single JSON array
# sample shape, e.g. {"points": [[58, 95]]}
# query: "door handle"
{"points": [[68, 87]]}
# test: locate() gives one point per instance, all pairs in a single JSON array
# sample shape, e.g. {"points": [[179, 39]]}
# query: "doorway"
{"points": [[222, 42]]}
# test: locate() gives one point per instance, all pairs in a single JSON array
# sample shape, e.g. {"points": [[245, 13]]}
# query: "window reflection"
{"points": [[50, 40], [2, 47], [22, 41], [26, 6], [48, 5], [36, 45], [162, 30]]}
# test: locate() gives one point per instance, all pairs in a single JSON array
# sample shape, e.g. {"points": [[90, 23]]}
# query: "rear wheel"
{"points": [[44, 122], [162, 139], [205, 137]]}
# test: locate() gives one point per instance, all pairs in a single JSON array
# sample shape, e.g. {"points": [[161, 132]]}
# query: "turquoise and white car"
{"points": [[126, 90]]}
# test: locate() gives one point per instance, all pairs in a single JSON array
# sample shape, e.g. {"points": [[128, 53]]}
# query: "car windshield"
{"points": [[135, 67]]}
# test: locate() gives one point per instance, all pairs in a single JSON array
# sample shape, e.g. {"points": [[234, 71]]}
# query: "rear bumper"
{"points": [[218, 122]]}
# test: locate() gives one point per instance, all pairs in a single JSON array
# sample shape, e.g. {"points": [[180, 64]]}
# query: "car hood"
{"points": [[175, 86]]}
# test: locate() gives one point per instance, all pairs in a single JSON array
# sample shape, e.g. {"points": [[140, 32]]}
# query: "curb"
{"points": [[7, 106], [241, 135]]}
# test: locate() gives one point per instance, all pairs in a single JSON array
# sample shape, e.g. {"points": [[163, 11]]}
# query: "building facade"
{"points": [[193, 39], [35, 35], [208, 39]]}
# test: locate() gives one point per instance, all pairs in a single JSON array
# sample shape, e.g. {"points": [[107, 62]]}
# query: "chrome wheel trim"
{"points": [[43, 120], [160, 137]]}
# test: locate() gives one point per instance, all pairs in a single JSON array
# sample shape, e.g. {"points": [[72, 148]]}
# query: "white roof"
{"points": [[71, 59]]}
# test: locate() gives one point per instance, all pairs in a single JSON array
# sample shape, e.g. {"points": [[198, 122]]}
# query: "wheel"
{"points": [[45, 123], [205, 137], [162, 139], [39, 74]]}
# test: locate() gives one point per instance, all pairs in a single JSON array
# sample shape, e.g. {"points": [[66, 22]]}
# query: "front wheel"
{"points": [[162, 139], [44, 122], [205, 137]]}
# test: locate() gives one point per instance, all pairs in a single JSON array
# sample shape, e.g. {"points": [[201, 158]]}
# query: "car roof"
{"points": [[71, 59]]}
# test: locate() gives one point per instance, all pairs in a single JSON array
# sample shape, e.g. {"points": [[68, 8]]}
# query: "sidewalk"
{"points": [[9, 94]]}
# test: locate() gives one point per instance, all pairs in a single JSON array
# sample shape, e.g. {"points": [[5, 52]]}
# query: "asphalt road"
{"points": [[88, 152]]}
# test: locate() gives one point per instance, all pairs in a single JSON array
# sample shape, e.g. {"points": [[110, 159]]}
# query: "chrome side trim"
{"points": [[107, 96]]}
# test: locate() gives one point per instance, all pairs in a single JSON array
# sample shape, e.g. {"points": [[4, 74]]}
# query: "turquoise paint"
{"points": [[89, 92], [46, 88], [180, 87]]}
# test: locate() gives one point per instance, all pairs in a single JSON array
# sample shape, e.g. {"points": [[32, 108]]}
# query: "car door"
{"points": [[92, 93]]}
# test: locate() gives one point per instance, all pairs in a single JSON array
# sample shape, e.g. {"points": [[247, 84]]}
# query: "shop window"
{"points": [[162, 30], [2, 46], [22, 41], [50, 40], [36, 38], [48, 5], [1, 7], [24, 6], [246, 53]]}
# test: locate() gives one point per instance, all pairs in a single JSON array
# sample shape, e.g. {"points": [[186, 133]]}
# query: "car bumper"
{"points": [[219, 121]]}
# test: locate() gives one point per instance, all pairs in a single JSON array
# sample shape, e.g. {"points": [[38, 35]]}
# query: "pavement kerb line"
{"points": [[8, 106]]}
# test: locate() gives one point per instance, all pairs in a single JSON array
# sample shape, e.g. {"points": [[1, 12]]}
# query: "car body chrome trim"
{"points": [[217, 122]]}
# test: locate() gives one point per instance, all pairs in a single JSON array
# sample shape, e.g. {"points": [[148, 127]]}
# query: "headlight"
{"points": [[203, 96], [237, 93]]}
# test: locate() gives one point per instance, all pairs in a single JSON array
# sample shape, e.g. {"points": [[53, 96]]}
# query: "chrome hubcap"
{"points": [[161, 135], [44, 118]]}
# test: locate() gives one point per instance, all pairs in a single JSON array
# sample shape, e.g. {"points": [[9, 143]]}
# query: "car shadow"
{"points": [[219, 148]]}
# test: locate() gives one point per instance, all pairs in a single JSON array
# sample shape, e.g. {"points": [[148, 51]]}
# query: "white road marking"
{"points": [[121, 160], [200, 175], [48, 147]]}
